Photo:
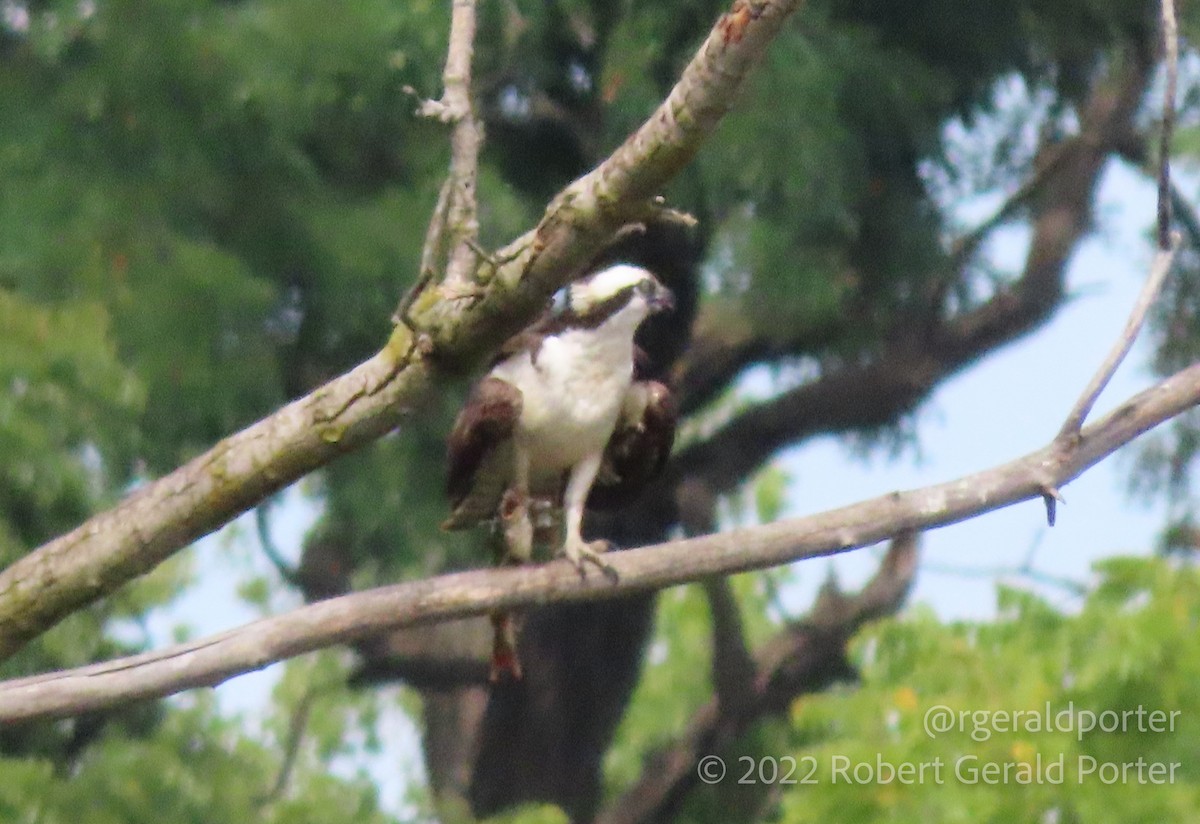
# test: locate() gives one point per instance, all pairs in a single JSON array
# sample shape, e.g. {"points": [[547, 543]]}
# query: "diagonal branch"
{"points": [[209, 661], [352, 410], [1154, 283], [861, 395], [725, 341], [803, 658]]}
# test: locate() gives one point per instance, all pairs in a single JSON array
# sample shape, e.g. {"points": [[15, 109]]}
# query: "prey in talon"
{"points": [[562, 415]]}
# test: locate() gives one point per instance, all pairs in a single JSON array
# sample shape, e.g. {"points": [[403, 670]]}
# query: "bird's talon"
{"points": [[582, 554]]}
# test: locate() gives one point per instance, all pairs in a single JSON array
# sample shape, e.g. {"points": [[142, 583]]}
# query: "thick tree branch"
{"points": [[586, 214], [370, 400], [732, 667], [726, 341], [205, 493], [210, 661], [1059, 195], [732, 673], [1061, 216], [873, 393]]}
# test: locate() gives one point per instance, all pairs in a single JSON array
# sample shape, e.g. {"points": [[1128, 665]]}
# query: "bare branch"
{"points": [[1168, 245], [586, 214], [965, 247], [210, 661], [1170, 40], [208, 491], [262, 523], [352, 410], [431, 252], [297, 727], [1154, 282], [461, 209]]}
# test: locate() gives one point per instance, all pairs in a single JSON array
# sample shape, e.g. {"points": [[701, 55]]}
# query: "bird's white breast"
{"points": [[572, 389]]}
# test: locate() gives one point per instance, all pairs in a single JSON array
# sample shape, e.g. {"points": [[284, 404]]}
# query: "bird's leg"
{"points": [[514, 508], [516, 537], [505, 663], [577, 550], [515, 528]]}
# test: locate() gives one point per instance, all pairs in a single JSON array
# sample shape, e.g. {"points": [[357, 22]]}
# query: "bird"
{"points": [[564, 413]]}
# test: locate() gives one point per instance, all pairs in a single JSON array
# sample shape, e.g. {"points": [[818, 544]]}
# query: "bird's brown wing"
{"points": [[639, 446], [479, 452]]}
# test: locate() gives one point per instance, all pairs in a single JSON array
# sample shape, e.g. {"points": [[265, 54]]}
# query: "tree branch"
{"points": [[804, 658], [725, 342], [210, 661], [733, 675], [1170, 44], [1158, 275], [864, 394], [1168, 245], [297, 728], [457, 209], [262, 524], [352, 410]]}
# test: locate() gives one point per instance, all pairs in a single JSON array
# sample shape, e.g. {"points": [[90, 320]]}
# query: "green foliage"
{"points": [[67, 405], [676, 680], [531, 814], [674, 684], [211, 207], [194, 767], [1128, 647]]}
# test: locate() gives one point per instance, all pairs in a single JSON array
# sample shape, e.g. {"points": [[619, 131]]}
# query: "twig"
{"points": [[295, 735], [210, 661], [431, 252], [457, 209], [1158, 274], [1168, 245], [1037, 576], [1184, 214], [263, 524], [964, 247], [1170, 35]]}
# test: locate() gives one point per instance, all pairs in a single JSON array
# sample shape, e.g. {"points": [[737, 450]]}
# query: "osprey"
{"points": [[563, 409]]}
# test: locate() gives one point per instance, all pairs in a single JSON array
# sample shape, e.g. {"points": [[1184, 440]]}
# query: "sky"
{"points": [[1009, 404]]}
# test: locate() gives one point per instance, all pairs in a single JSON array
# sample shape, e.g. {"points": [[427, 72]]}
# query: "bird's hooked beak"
{"points": [[662, 299]]}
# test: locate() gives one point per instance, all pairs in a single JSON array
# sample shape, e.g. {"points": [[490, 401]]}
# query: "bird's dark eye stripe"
{"points": [[645, 287]]}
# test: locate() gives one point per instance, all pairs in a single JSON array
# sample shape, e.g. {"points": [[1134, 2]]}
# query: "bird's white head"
{"points": [[618, 287]]}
